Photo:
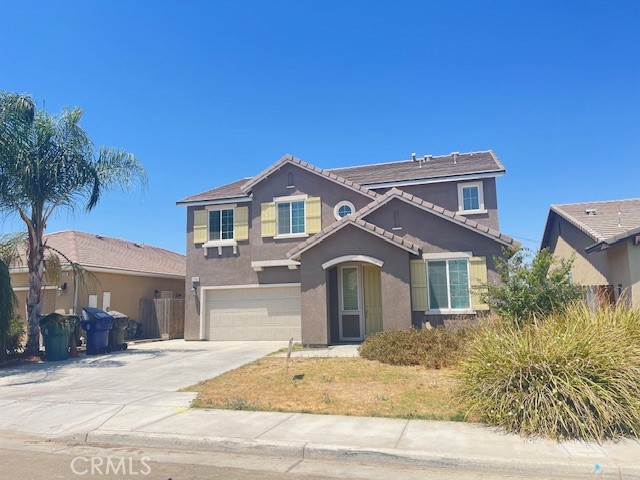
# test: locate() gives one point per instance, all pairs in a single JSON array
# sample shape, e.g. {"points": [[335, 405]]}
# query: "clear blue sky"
{"points": [[205, 92]]}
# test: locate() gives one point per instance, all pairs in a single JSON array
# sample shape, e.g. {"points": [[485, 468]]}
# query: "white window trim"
{"points": [[220, 209], [260, 265], [290, 199], [229, 242], [479, 185], [446, 257], [343, 203], [291, 235]]}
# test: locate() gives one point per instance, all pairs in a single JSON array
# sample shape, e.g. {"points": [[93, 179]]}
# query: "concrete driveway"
{"points": [[73, 397]]}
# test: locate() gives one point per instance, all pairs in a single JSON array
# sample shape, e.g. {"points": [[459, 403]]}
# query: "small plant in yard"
{"points": [[531, 289], [574, 375], [436, 348]]}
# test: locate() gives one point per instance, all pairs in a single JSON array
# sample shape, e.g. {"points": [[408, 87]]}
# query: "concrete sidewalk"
{"points": [[366, 440], [130, 399]]}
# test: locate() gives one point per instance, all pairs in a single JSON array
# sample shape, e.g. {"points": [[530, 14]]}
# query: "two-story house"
{"points": [[328, 256]]}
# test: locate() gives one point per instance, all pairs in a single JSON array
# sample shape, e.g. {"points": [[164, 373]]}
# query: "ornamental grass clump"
{"points": [[574, 375]]}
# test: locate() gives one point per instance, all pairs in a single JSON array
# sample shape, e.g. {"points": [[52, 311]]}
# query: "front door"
{"points": [[350, 303], [372, 299]]}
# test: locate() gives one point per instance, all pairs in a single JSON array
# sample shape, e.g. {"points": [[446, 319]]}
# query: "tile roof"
{"points": [[613, 220], [359, 223], [439, 211], [437, 167], [90, 250], [307, 166], [230, 190]]}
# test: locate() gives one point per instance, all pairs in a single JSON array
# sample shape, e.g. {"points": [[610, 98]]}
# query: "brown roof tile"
{"points": [[360, 176], [230, 190], [435, 167], [98, 251], [611, 217]]}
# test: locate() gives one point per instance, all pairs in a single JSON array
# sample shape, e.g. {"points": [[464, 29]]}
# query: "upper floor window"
{"points": [[470, 197], [448, 284], [290, 217], [221, 224], [342, 209]]}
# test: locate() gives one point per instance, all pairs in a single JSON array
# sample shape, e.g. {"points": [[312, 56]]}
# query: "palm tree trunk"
{"points": [[35, 264]]}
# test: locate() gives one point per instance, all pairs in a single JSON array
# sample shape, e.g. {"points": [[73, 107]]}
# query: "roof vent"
{"points": [[455, 156], [427, 158], [590, 212], [413, 157], [99, 237]]}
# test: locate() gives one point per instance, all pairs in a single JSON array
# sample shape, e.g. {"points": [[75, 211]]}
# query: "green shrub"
{"points": [[15, 334], [574, 375], [436, 348], [528, 290]]}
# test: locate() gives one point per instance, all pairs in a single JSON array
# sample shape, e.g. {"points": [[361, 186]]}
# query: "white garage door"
{"points": [[264, 313]]}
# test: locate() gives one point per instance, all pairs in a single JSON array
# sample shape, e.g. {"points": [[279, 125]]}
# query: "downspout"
{"points": [[75, 293]]}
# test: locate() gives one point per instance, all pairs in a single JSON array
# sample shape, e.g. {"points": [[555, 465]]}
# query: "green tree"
{"points": [[49, 163], [534, 289], [8, 253]]}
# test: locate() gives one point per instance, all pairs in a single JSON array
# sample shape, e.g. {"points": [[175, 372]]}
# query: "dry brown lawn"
{"points": [[337, 386]]}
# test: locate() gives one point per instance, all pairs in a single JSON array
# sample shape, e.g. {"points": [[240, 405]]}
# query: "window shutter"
{"points": [[418, 285], [268, 219], [478, 277], [313, 214], [241, 223], [200, 226]]}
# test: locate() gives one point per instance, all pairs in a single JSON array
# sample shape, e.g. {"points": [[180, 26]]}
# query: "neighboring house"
{"points": [[327, 256], [122, 273], [604, 240]]}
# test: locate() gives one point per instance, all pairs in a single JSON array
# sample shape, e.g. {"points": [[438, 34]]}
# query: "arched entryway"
{"points": [[355, 297]]}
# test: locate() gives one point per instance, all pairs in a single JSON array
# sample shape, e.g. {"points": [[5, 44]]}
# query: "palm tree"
{"points": [[47, 163]]}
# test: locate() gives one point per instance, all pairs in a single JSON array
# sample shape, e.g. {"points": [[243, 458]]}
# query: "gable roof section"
{"points": [[436, 168], [100, 252], [229, 191], [326, 232], [443, 166], [453, 217], [613, 221], [306, 166]]}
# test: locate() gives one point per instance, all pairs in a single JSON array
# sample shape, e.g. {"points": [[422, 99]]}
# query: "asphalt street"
{"points": [[36, 460]]}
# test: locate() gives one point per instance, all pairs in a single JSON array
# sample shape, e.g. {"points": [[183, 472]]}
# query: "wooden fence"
{"points": [[596, 295], [162, 317]]}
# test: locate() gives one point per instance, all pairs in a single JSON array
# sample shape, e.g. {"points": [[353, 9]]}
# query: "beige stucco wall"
{"points": [[126, 291], [593, 269], [621, 275], [634, 272]]}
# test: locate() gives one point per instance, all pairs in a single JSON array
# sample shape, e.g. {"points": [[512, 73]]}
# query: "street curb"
{"points": [[577, 468]]}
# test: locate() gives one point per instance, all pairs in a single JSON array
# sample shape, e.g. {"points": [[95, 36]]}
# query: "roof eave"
{"points": [[214, 201]]}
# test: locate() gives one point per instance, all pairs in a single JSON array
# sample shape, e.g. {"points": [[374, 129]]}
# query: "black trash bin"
{"points": [[97, 323], [118, 330]]}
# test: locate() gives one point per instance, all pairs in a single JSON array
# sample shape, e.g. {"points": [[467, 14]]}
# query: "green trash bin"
{"points": [[56, 330]]}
